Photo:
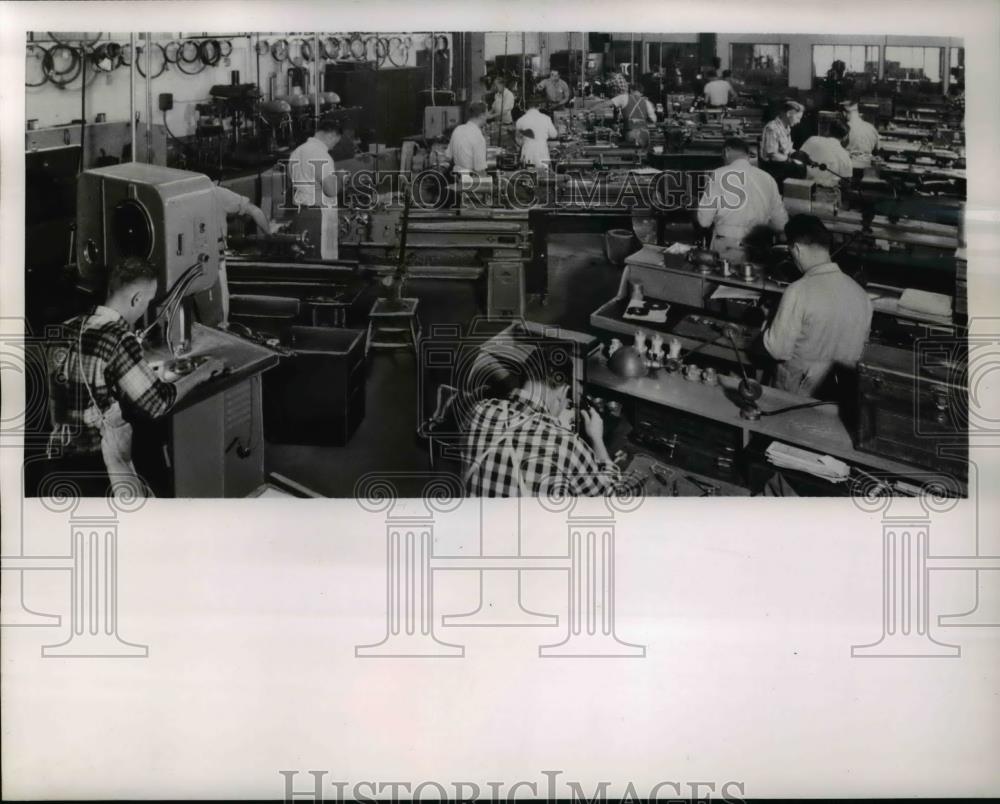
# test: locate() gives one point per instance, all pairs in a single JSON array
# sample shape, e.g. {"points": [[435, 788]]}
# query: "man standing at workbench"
{"points": [[823, 318], [314, 182], [556, 90], [863, 138], [467, 146], [535, 129], [776, 146], [738, 199], [501, 111]]}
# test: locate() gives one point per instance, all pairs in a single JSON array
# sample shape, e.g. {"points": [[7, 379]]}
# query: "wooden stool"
{"points": [[390, 328]]}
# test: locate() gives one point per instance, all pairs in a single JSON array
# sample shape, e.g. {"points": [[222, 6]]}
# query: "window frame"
{"points": [[739, 74], [835, 45]]}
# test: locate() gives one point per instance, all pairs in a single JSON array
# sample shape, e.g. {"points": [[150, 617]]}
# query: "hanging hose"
{"points": [[83, 112]]}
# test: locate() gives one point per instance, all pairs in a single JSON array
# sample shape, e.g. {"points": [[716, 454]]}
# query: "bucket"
{"points": [[618, 244]]}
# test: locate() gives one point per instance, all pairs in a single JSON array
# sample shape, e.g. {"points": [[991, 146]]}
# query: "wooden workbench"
{"points": [[819, 429]]}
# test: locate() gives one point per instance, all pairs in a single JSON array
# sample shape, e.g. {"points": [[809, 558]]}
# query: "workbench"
{"points": [[819, 429], [211, 444]]}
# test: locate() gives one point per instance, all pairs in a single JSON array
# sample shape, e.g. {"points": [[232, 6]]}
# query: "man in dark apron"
{"points": [[637, 114]]}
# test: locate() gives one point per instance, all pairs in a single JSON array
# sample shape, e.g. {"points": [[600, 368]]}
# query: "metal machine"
{"points": [[160, 214], [213, 437]]}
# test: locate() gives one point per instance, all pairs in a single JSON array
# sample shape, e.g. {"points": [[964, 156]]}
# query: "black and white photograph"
{"points": [[671, 264], [452, 303]]}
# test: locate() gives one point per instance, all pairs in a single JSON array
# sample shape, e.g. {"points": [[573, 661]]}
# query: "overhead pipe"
{"points": [[315, 62]]}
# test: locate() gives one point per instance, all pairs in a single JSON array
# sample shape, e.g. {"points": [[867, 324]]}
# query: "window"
{"points": [[671, 54], [914, 64], [858, 59], [765, 65]]}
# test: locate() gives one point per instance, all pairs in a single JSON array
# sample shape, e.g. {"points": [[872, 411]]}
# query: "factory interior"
{"points": [[325, 342]]}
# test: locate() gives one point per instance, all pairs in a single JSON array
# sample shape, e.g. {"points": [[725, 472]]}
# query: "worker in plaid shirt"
{"points": [[524, 446], [617, 84], [98, 363]]}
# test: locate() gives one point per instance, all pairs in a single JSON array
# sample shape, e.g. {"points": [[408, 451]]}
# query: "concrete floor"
{"points": [[580, 280]]}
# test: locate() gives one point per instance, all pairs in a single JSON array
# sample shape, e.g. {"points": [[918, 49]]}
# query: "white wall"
{"points": [[109, 92]]}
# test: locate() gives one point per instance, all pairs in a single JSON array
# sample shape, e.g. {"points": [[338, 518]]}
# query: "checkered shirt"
{"points": [[109, 357], [553, 458], [618, 84]]}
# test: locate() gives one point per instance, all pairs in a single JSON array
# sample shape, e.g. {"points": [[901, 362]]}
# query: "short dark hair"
{"points": [[545, 366], [792, 106], [838, 129], [735, 144], [330, 125], [807, 230], [476, 109], [129, 271]]}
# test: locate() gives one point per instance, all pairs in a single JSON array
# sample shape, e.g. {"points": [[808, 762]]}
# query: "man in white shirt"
{"points": [[829, 151], [863, 139], [311, 169], [823, 319], [739, 198], [535, 129], [314, 183], [500, 111], [229, 203], [503, 102], [719, 92], [467, 147]]}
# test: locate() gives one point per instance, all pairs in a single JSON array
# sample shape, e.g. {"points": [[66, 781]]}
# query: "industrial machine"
{"points": [[160, 214], [213, 439]]}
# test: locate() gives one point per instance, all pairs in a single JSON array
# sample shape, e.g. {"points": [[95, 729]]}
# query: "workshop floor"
{"points": [[580, 280]]}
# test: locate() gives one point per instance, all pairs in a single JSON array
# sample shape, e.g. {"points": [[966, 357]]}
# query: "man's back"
{"points": [[827, 151], [862, 140], [718, 92], [825, 315], [742, 195], [308, 166], [467, 147]]}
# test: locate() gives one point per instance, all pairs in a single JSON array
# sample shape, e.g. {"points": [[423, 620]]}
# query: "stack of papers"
{"points": [[926, 303], [802, 460], [679, 248]]}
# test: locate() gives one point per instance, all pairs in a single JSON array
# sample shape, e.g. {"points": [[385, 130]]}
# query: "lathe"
{"points": [[212, 443]]}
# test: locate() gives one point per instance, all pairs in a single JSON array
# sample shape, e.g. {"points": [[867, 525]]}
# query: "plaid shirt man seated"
{"points": [[103, 351], [98, 361], [519, 446]]}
